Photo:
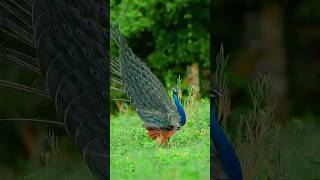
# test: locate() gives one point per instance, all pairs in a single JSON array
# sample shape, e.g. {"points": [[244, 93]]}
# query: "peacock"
{"points": [[69, 38], [225, 161], [146, 93]]}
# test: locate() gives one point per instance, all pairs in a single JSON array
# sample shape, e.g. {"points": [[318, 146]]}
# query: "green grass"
{"points": [[135, 156]]}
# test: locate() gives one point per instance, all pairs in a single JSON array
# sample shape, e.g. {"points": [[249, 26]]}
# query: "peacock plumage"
{"points": [[225, 161], [146, 93], [72, 58]]}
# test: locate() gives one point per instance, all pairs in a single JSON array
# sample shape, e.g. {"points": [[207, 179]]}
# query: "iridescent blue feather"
{"points": [[224, 149]]}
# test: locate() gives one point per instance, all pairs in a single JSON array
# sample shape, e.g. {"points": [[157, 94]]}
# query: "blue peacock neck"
{"points": [[225, 151], [180, 108]]}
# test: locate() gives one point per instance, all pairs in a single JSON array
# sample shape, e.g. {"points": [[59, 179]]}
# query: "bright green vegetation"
{"points": [[166, 34], [135, 156]]}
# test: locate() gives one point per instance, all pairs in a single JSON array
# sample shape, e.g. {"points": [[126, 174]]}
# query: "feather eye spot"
{"points": [[60, 3], [93, 44], [94, 72], [86, 53], [79, 33], [104, 94], [66, 29], [72, 53]]}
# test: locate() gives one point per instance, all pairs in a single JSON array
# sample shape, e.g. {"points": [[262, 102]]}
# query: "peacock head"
{"points": [[176, 91], [215, 93]]}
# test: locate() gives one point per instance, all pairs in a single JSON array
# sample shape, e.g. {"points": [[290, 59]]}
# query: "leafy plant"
{"points": [[166, 33]]}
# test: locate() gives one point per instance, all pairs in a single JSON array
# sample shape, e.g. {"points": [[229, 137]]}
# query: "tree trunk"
{"points": [[193, 79]]}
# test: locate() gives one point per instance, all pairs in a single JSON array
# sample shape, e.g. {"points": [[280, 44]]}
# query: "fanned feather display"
{"points": [[71, 46]]}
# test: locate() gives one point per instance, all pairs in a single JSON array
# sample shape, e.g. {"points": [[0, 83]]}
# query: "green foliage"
{"points": [[166, 33], [135, 156]]}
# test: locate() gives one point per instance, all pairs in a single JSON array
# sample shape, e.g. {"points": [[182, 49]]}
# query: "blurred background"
{"points": [[280, 39], [276, 38], [172, 38]]}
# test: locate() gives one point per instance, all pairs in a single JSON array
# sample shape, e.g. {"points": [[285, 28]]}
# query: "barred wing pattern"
{"points": [[144, 89]]}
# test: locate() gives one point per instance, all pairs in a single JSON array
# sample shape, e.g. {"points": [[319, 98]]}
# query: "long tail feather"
{"points": [[21, 32], [23, 88], [33, 120], [28, 12], [15, 36], [72, 55], [19, 55], [20, 62], [28, 2], [14, 12]]}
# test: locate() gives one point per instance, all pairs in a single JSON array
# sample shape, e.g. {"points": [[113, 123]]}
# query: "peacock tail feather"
{"points": [[71, 56], [144, 90]]}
